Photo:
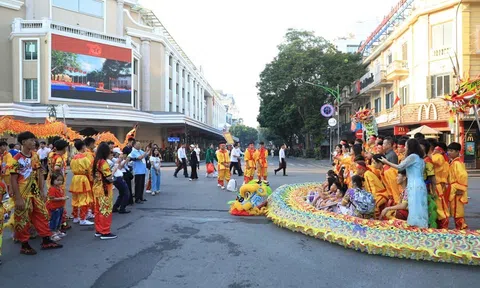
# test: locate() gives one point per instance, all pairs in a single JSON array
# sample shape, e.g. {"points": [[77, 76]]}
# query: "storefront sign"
{"points": [[89, 71], [367, 81], [470, 149], [400, 130], [173, 139], [359, 134]]}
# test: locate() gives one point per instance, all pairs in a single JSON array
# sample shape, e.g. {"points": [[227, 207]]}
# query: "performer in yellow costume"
{"points": [[373, 185], [223, 166], [389, 178], [80, 186], [5, 164], [56, 161], [458, 184], [250, 163], [3, 190], [441, 167], [261, 156]]}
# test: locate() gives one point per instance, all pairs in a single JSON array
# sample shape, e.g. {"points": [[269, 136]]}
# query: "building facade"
{"points": [[409, 61], [112, 62], [233, 113]]}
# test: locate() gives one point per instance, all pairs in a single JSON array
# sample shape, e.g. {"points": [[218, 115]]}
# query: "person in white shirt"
{"points": [[235, 155], [43, 155], [155, 160], [182, 159], [197, 151], [282, 161], [117, 163]]}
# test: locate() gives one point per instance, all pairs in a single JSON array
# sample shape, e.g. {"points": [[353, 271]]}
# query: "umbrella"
{"points": [[425, 130]]}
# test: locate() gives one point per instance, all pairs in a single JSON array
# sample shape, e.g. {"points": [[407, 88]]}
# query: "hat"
{"points": [[117, 150], [192, 146]]}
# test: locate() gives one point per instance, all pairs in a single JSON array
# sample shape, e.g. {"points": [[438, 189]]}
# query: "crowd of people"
{"points": [[388, 178], [228, 158], [33, 180]]}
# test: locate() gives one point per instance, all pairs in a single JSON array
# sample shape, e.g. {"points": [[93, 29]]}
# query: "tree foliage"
{"points": [[244, 133], [266, 135], [61, 61], [290, 107]]}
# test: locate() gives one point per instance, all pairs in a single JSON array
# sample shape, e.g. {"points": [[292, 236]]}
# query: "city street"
{"points": [[185, 237]]}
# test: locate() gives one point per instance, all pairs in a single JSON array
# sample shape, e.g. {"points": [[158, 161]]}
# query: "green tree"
{"points": [[244, 133], [112, 69], [289, 106], [266, 135], [62, 60]]}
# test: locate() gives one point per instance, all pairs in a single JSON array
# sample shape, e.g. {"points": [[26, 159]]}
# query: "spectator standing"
{"points": [[117, 163], [14, 149], [127, 174], [43, 154], [155, 161], [197, 151], [282, 161], [193, 163], [235, 160], [139, 170]]}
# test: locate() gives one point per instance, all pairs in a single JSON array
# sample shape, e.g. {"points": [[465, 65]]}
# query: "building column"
{"points": [[120, 18], [166, 79], [174, 86], [192, 93], [209, 110], [180, 88], [198, 102], [202, 99], [145, 78]]}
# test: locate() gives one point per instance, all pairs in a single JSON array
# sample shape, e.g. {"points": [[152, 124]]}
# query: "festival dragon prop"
{"points": [[465, 97], [367, 118], [251, 199]]}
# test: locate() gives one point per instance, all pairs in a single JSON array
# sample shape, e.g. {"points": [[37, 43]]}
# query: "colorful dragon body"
{"points": [[251, 199]]}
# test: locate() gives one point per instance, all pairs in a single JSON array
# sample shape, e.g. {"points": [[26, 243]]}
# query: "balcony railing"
{"points": [[440, 52], [374, 80], [20, 26], [397, 70]]}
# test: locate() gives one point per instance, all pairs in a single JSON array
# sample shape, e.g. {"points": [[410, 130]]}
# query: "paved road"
{"points": [[186, 238]]}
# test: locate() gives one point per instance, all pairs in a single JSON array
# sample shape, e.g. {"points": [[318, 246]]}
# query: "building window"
{"points": [[183, 93], [440, 85], [183, 73], [170, 60], [352, 48], [188, 96], [170, 83], [442, 35], [31, 50], [389, 58], [404, 95], [183, 110], [170, 107], [176, 89], [178, 68], [378, 105], [405, 51], [389, 100], [31, 90], [90, 7], [135, 98], [135, 66]]}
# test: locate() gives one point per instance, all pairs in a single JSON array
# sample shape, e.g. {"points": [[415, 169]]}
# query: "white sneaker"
{"points": [[153, 193], [148, 191], [86, 223], [223, 187], [218, 185], [55, 238], [90, 215], [62, 234], [76, 220]]}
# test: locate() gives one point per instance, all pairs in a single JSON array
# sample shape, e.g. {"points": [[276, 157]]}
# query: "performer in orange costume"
{"points": [[27, 188], [90, 146], [3, 190], [5, 164], [223, 165], [103, 193], [57, 164], [389, 179], [80, 186], [261, 156], [458, 184], [441, 167], [401, 150], [250, 163], [373, 185]]}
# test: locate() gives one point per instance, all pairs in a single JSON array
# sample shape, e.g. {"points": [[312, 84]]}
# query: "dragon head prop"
{"points": [[465, 96], [251, 199]]}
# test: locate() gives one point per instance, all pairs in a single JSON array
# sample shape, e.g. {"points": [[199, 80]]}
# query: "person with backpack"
{"points": [[374, 185], [358, 202]]}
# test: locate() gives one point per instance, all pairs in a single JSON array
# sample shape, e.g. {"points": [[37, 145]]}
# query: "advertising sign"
{"points": [[400, 130], [88, 71], [228, 137], [173, 139]]}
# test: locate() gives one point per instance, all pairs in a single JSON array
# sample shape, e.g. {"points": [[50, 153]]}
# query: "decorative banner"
{"points": [[400, 130], [88, 71], [228, 137], [327, 110]]}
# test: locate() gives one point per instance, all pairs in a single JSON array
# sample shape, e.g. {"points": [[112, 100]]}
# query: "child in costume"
{"points": [[399, 211], [458, 185], [55, 205], [441, 166]]}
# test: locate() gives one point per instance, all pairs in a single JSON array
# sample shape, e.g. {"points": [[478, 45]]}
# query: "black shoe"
{"points": [[275, 172], [108, 236], [175, 175], [144, 200], [115, 210], [285, 175], [124, 211], [138, 202]]}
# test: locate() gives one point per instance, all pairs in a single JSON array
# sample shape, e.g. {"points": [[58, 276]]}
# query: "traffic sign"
{"points": [[327, 110], [332, 122]]}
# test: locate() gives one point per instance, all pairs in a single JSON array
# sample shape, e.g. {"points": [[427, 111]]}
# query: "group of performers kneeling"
{"points": [[369, 180]]}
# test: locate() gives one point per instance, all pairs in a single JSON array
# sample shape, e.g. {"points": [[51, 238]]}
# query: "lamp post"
{"points": [[336, 94]]}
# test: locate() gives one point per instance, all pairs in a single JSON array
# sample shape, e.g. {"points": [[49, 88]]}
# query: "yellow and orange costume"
{"points": [[250, 165], [223, 167], [56, 162], [80, 186], [375, 186], [389, 179], [458, 183], [261, 156], [103, 193], [3, 191], [5, 165], [441, 167]]}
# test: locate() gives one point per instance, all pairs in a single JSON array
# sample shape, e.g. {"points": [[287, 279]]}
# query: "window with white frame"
{"points": [[135, 98], [176, 89], [30, 49], [30, 90], [170, 60], [440, 85], [378, 105], [404, 94], [89, 7], [389, 58], [442, 35], [170, 83], [135, 66], [405, 51], [389, 100]]}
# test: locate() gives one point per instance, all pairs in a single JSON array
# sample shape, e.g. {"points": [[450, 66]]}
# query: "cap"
{"points": [[117, 150], [192, 146]]}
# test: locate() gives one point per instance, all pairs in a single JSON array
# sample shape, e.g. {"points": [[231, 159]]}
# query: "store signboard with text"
{"points": [[89, 71]]}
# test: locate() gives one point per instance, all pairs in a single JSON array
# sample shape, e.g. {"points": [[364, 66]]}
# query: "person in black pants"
{"points": [[139, 169], [182, 158], [119, 183], [128, 175], [193, 163], [282, 161]]}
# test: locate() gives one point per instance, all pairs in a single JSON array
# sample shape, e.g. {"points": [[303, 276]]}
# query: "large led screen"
{"points": [[89, 71]]}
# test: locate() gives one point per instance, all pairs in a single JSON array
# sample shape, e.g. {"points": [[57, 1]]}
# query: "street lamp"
{"points": [[336, 94]]}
